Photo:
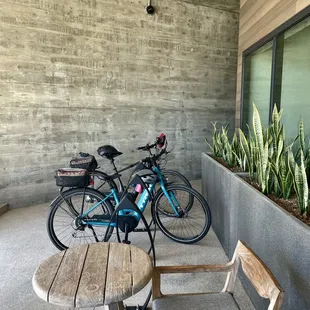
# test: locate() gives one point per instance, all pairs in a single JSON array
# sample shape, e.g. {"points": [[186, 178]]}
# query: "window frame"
{"points": [[272, 36]]}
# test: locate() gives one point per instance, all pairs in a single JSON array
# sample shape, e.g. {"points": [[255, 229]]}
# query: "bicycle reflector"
{"points": [[161, 140]]}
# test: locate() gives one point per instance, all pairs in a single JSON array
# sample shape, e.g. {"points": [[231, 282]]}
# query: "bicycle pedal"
{"points": [[140, 230], [126, 241]]}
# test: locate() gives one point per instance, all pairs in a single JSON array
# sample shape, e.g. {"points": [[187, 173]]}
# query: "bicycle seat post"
{"points": [[113, 164], [116, 171]]}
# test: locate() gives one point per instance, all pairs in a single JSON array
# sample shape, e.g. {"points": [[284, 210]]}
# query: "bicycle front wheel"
{"points": [[175, 177], [65, 228], [185, 225], [172, 177]]}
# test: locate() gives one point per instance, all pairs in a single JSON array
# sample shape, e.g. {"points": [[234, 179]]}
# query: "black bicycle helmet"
{"points": [[108, 151]]}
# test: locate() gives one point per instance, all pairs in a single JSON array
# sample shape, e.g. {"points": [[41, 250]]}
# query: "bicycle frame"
{"points": [[142, 203], [121, 186]]}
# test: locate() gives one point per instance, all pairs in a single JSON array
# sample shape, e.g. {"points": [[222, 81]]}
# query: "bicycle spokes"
{"points": [[192, 220]]}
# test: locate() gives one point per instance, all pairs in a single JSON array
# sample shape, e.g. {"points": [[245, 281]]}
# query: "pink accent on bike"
{"points": [[139, 188], [161, 140]]}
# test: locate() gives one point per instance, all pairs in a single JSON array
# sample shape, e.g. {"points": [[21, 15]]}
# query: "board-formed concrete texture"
{"points": [[75, 75], [277, 237]]}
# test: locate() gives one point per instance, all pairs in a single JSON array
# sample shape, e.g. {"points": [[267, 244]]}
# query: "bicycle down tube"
{"points": [[142, 203]]}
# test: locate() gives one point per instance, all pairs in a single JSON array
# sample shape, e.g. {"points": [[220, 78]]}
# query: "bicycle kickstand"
{"points": [[126, 241]]}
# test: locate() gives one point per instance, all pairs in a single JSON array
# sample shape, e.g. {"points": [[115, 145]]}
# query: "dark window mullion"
{"points": [[276, 73], [279, 70], [242, 93], [273, 77]]}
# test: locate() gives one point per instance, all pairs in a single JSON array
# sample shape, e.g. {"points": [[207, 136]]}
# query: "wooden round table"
{"points": [[93, 275]]}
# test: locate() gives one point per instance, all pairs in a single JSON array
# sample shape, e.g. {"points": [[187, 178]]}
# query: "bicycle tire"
{"points": [[60, 203], [178, 177], [184, 219]]}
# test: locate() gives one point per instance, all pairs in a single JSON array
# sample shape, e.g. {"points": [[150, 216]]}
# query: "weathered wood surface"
{"points": [[93, 275], [64, 287], [138, 274], [45, 275], [92, 284], [260, 276], [119, 278], [256, 271], [156, 292], [194, 268]]}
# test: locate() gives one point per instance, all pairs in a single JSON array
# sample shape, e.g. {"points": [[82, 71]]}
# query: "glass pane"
{"points": [[257, 81], [295, 88]]}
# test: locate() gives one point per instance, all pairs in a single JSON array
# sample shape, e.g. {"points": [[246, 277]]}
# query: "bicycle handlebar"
{"points": [[146, 147], [160, 141], [154, 157], [145, 160]]}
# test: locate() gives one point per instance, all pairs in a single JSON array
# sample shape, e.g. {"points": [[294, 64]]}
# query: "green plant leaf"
{"points": [[301, 186], [302, 136]]}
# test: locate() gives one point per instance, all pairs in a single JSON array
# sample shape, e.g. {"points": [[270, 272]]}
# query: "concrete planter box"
{"points": [[282, 241]]}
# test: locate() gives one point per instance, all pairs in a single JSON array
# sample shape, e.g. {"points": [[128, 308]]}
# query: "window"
{"points": [[257, 81], [295, 81], [278, 72]]}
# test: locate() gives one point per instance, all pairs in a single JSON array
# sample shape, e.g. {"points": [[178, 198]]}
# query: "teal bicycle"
{"points": [[84, 215]]}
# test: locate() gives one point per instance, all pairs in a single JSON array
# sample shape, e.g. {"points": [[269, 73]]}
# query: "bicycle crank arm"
{"points": [[142, 230]]}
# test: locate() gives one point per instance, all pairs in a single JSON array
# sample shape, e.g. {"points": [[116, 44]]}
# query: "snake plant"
{"points": [[301, 186], [262, 146], [272, 164], [216, 146], [249, 153], [221, 147], [283, 176], [302, 148]]}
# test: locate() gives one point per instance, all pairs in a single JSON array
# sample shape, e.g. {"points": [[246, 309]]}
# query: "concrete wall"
{"points": [[78, 74]]}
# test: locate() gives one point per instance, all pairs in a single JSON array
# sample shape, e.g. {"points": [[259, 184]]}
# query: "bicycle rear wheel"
{"points": [[64, 227], [100, 182], [189, 225]]}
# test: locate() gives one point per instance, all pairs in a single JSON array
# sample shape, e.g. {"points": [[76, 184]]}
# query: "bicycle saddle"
{"points": [[108, 151]]}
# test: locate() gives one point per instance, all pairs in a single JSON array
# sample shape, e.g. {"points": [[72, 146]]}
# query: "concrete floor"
{"points": [[24, 243]]}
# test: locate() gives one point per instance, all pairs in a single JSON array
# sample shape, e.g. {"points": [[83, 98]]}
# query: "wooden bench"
{"points": [[255, 270]]}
